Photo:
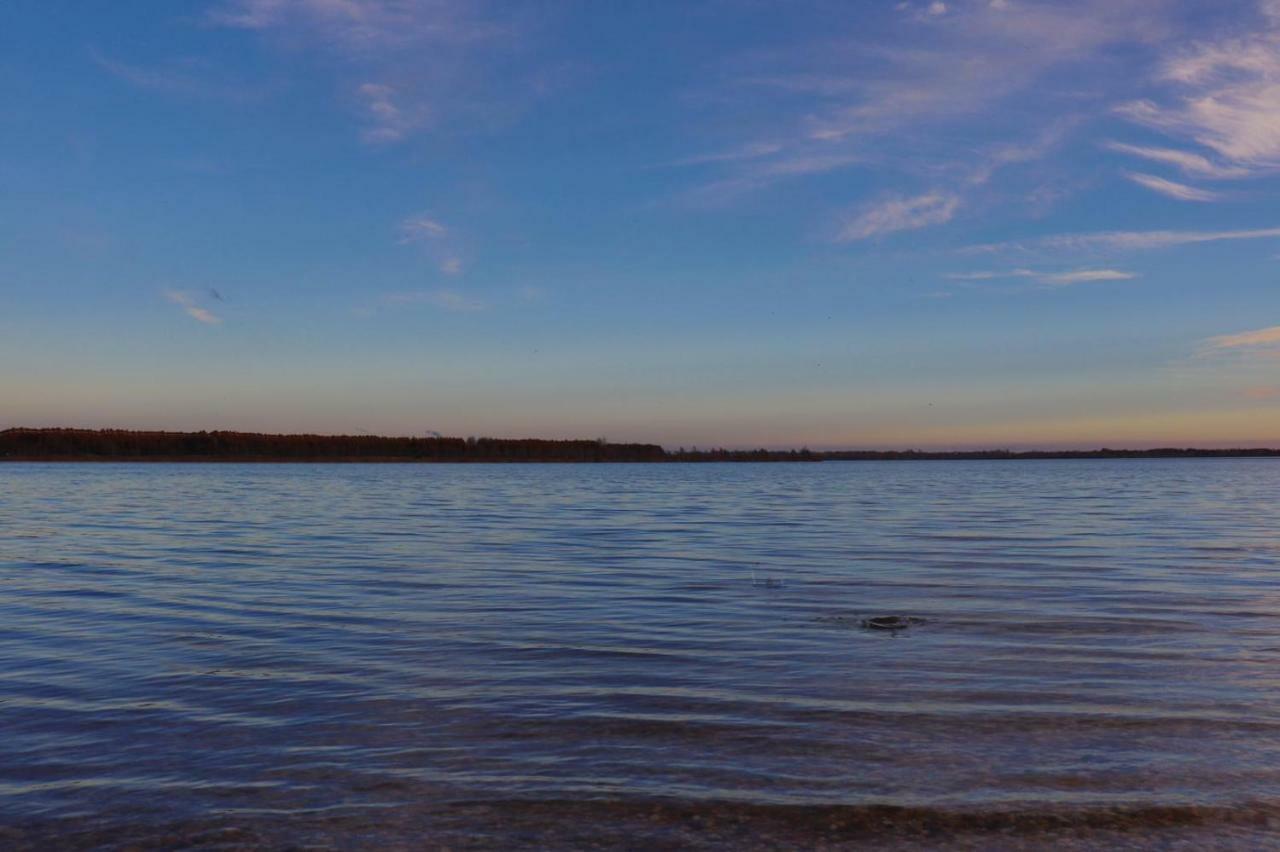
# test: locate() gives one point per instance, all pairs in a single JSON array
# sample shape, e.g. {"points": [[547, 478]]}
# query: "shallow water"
{"points": [[494, 656]]}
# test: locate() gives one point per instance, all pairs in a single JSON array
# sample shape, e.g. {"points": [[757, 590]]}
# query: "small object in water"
{"points": [[767, 582], [890, 622]]}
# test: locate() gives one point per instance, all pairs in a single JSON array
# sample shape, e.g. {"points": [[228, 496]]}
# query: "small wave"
{"points": [[863, 819], [670, 824]]}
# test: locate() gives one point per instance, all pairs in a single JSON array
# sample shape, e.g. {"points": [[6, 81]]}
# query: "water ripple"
{"points": [[254, 655]]}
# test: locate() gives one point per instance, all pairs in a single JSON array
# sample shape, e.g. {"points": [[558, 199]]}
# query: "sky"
{"points": [[740, 223]]}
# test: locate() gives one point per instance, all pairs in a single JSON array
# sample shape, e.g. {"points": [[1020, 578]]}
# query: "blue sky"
{"points": [[855, 224]]}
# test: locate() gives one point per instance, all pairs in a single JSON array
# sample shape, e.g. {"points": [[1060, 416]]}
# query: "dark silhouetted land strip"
{"points": [[123, 445], [120, 445], [1157, 453]]}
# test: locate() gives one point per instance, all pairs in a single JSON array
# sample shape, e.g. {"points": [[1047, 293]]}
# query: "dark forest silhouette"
{"points": [[124, 445]]}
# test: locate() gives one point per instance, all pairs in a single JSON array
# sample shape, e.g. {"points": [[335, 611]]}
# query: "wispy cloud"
{"points": [[923, 11], [1010, 154], [1262, 337], [1125, 240], [389, 120], [863, 96], [1257, 347], [439, 241], [766, 171], [360, 27], [1189, 163], [421, 227], [1172, 189], [1052, 279], [189, 77], [899, 214], [990, 53], [750, 151], [1082, 276], [187, 301], [1224, 95], [447, 300], [406, 65], [987, 275], [1262, 393]]}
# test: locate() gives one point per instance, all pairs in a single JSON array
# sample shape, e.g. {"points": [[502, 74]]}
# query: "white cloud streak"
{"points": [[1259, 338], [437, 239], [1259, 346], [188, 78], [402, 62], [1226, 96], [192, 308], [990, 54], [1189, 163], [1015, 154], [1172, 189], [900, 214], [389, 120], [846, 101], [1126, 240], [1083, 276], [446, 300], [766, 172], [989, 275], [421, 227], [750, 151], [1052, 279], [359, 26]]}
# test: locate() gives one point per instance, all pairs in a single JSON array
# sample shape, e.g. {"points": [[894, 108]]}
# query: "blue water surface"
{"points": [[497, 654]]}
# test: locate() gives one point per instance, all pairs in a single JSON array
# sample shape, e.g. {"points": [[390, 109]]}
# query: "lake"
{"points": [[640, 656]]}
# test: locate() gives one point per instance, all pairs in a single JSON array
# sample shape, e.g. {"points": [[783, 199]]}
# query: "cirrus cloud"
{"points": [[191, 306], [1257, 348], [1224, 95], [900, 214], [421, 227], [1083, 276], [1122, 240], [1172, 189], [1188, 162], [1051, 279], [439, 241], [1256, 339], [406, 65]]}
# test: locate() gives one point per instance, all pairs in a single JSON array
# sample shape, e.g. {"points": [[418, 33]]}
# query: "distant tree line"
{"points": [[721, 455], [251, 446], [118, 444], [1158, 453]]}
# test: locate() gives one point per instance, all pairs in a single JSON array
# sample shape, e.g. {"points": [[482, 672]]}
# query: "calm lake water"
{"points": [[399, 656]]}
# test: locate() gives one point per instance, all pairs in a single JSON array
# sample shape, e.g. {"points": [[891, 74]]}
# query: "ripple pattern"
{"points": [[488, 656]]}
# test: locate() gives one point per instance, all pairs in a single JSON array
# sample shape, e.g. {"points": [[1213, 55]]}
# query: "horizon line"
{"points": [[1013, 449]]}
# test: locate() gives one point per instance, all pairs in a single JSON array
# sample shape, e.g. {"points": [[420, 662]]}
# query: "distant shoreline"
{"points": [[114, 445]]}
